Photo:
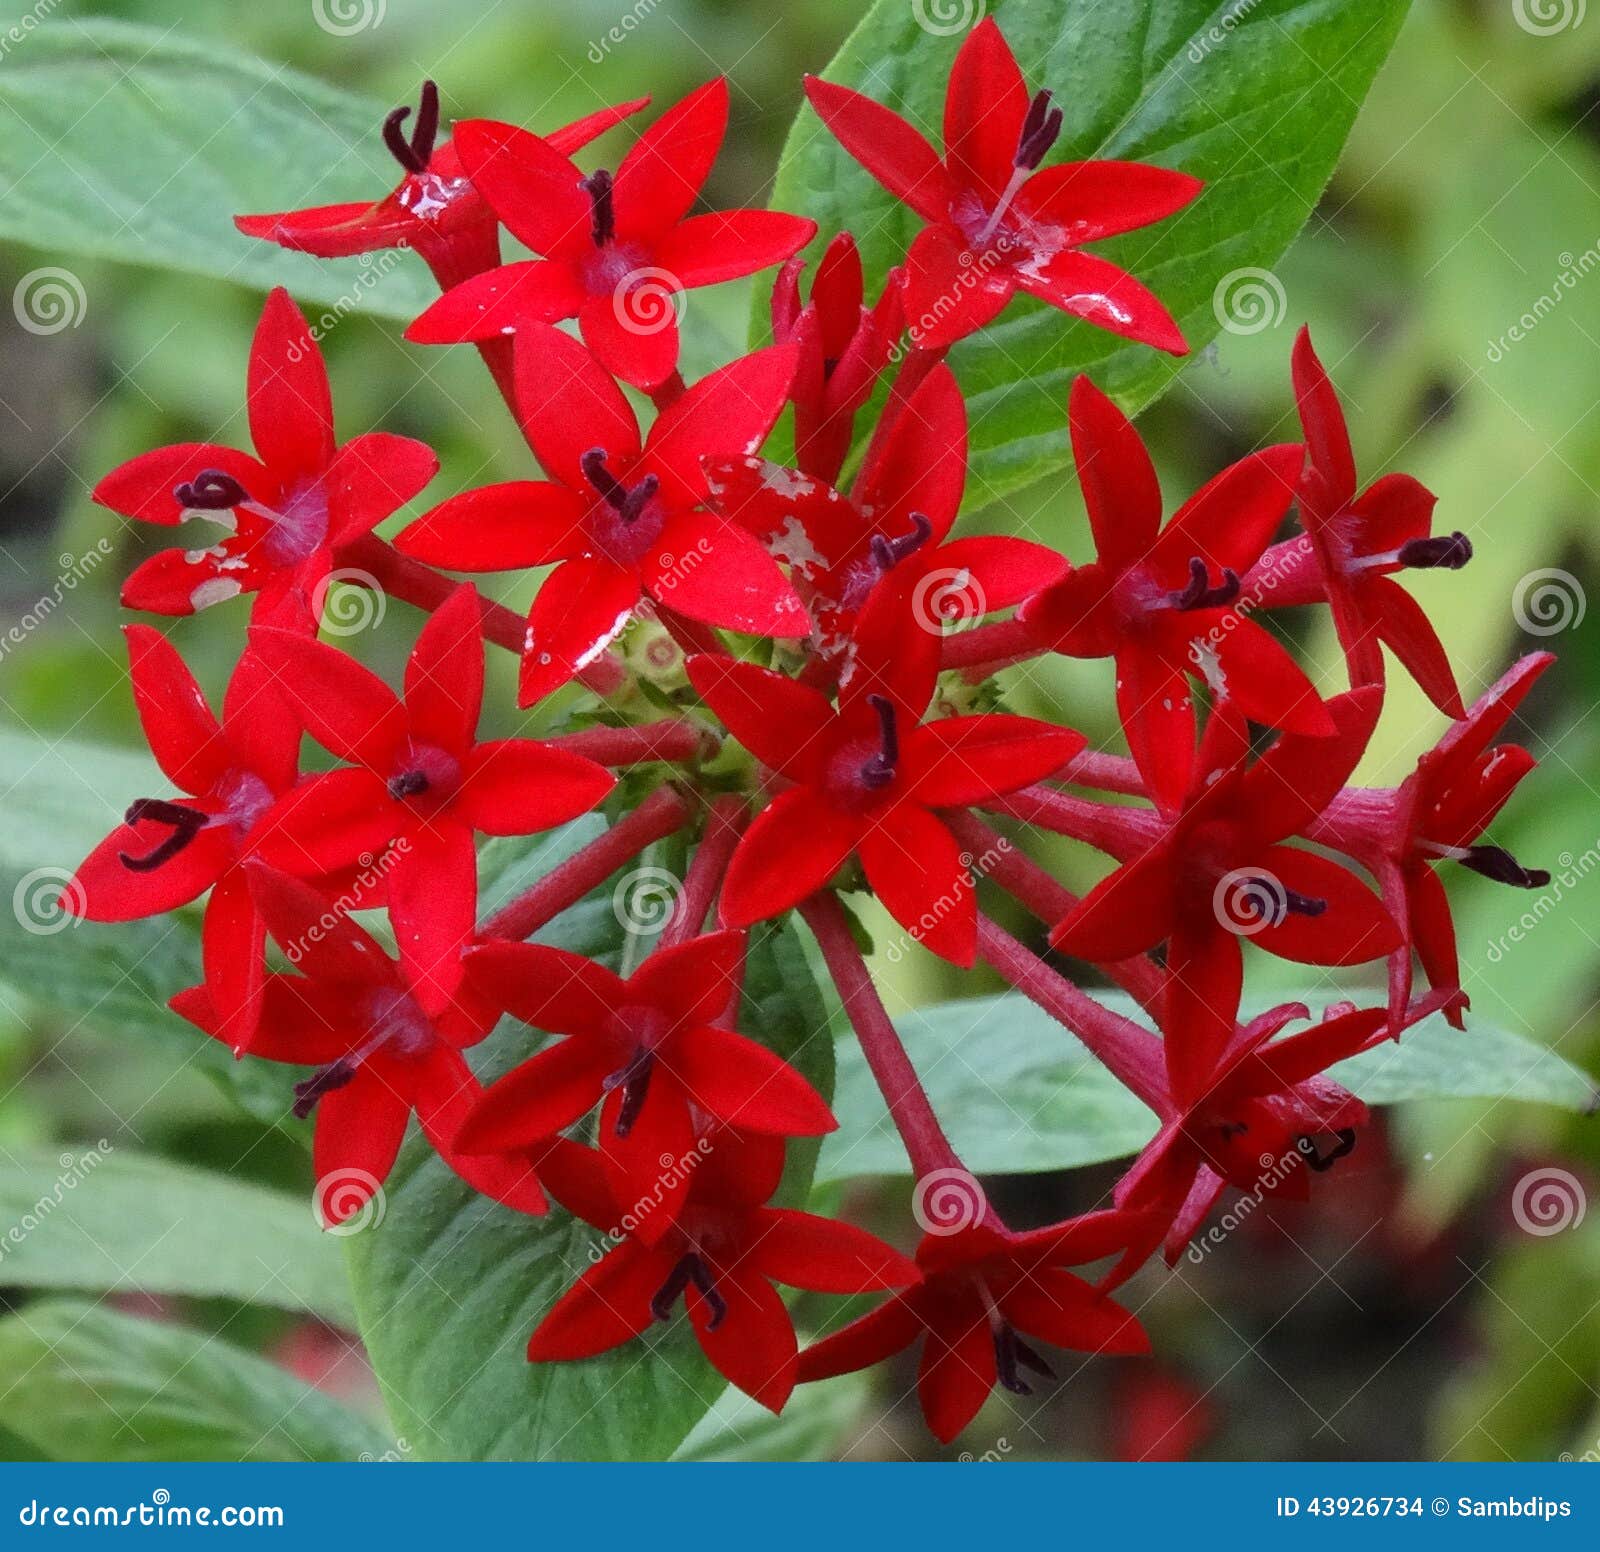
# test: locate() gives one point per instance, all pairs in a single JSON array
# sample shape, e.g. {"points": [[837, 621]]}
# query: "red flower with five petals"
{"points": [[650, 1048], [287, 511], [418, 780], [614, 250], [996, 224], [721, 1257], [619, 518]]}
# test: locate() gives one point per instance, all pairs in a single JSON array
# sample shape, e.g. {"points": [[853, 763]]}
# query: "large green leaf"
{"points": [[133, 143], [448, 1285], [1017, 1094], [1255, 99], [82, 1383], [110, 1221]]}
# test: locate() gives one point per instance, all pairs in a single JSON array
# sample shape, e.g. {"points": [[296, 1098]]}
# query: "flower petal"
{"points": [[917, 869], [660, 177], [504, 527], [1106, 296], [517, 786], [886, 145], [568, 404], [531, 186], [711, 570], [706, 250], [786, 725], [793, 847], [743, 1083], [579, 610], [968, 759], [290, 405]]}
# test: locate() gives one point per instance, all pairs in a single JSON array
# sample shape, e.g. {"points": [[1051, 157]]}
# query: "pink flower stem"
{"points": [[988, 648], [1120, 832], [1108, 772], [663, 813], [926, 1144], [672, 738], [667, 393], [1026, 882], [724, 825], [1131, 1054]]}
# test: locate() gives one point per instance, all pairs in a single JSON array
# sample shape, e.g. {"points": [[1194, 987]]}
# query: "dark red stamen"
{"points": [[1039, 131], [1199, 594], [888, 553], [324, 1081], [186, 824], [407, 785], [690, 1270], [1011, 1353], [634, 1081], [628, 502], [1497, 863], [414, 154], [1447, 552], [879, 770], [602, 215], [211, 491], [1307, 1149]]}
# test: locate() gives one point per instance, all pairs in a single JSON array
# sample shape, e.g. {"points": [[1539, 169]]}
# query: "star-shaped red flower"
{"points": [[650, 1049], [1157, 599], [286, 512], [620, 519], [983, 1290], [996, 225], [615, 251], [419, 781]]}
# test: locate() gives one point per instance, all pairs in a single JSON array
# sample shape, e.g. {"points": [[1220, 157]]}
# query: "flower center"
{"points": [[1039, 132], [627, 519], [1199, 594], [1344, 1144], [691, 1271], [426, 772], [1011, 1355], [393, 1018], [1443, 552], [888, 553]]}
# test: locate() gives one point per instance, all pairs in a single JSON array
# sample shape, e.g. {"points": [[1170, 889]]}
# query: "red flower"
{"points": [[168, 852], [983, 1290], [614, 251], [418, 779], [1353, 544], [386, 1039], [434, 209], [893, 526], [1218, 872], [650, 1048], [620, 519], [1157, 599], [996, 225], [843, 348], [721, 1257], [286, 513], [1437, 814], [868, 779]]}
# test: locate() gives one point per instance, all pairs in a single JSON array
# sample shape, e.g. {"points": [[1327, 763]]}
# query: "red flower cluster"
{"points": [[801, 742]]}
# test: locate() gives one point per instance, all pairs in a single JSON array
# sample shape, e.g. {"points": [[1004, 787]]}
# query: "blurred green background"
{"points": [[1404, 1313]]}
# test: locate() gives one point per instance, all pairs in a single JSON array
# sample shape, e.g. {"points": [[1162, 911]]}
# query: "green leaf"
{"points": [[135, 144], [1017, 1094], [110, 1221], [81, 1383], [813, 1426], [1257, 100]]}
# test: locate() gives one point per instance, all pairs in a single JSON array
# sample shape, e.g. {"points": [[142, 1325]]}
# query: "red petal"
{"points": [[660, 177], [795, 845], [948, 294], [633, 329], [786, 725], [547, 987], [886, 145], [444, 674], [531, 186], [922, 466], [746, 1085], [916, 868], [1092, 200], [306, 1022], [446, 1093], [104, 890], [1157, 713], [889, 1329], [433, 900], [331, 820], [233, 941], [1353, 929], [753, 1346], [1327, 438], [805, 1251], [985, 105], [607, 1306], [653, 1166], [1265, 683], [579, 610], [359, 1131], [1108, 297], [568, 404], [330, 231], [574, 136], [711, 570], [1291, 784], [691, 982], [143, 487], [314, 934], [499, 302], [515, 786], [537, 1099], [183, 735], [957, 1373], [997, 571], [1277, 1067], [373, 476], [1064, 1310], [1393, 510], [348, 709], [498, 528], [1433, 931], [291, 409], [1232, 518], [1205, 973], [967, 759], [1127, 912], [1118, 479], [706, 250], [1407, 632]]}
